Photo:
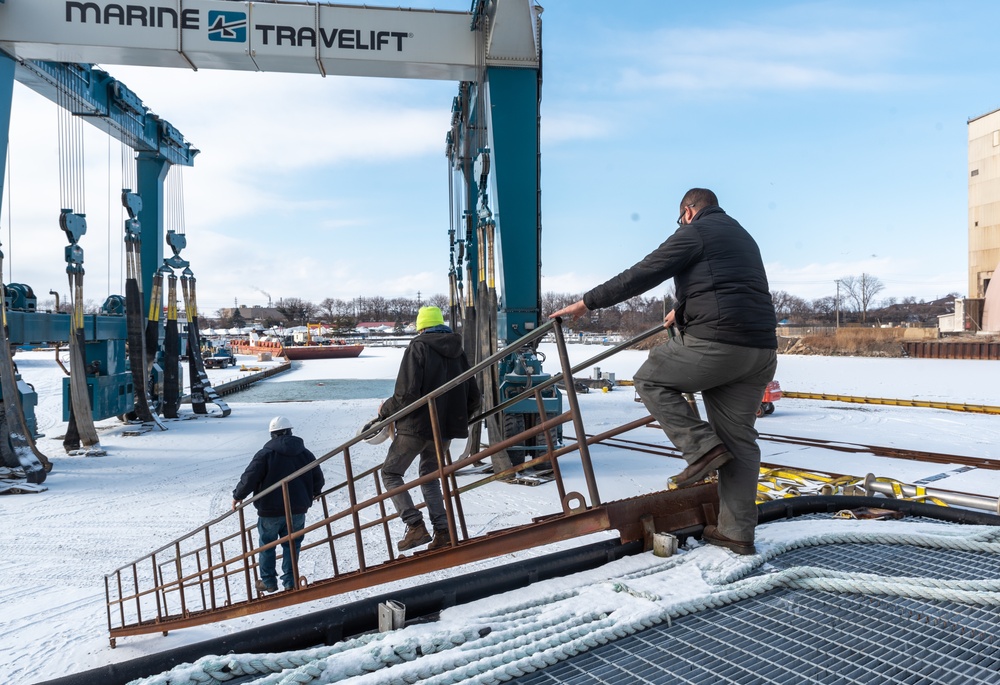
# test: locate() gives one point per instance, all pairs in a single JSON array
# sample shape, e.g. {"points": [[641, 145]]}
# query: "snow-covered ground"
{"points": [[102, 512]]}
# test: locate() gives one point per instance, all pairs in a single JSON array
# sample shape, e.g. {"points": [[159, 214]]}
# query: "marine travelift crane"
{"points": [[493, 50]]}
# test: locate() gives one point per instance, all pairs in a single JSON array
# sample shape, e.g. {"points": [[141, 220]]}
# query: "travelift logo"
{"points": [[227, 27], [224, 26]]}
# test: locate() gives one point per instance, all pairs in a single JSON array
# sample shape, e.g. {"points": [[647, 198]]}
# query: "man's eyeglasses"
{"points": [[680, 219]]}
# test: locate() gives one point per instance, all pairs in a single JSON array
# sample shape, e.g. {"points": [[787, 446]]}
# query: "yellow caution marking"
{"points": [[951, 406]]}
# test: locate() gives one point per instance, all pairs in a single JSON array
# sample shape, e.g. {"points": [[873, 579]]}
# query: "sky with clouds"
{"points": [[835, 132]]}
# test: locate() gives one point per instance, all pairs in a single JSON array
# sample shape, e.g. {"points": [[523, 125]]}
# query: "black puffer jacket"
{"points": [[719, 282], [431, 360], [280, 457]]}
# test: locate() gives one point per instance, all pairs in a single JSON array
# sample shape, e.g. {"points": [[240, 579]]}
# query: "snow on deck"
{"points": [[102, 512]]}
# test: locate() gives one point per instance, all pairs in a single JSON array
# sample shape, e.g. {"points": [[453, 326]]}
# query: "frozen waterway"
{"points": [[314, 390]]}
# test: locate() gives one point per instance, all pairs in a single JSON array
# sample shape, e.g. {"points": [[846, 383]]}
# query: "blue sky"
{"points": [[834, 131]]}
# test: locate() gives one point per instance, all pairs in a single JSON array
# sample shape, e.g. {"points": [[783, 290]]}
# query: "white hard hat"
{"points": [[279, 423]]}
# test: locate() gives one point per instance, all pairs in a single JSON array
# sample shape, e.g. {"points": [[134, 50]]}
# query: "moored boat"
{"points": [[277, 348], [331, 351]]}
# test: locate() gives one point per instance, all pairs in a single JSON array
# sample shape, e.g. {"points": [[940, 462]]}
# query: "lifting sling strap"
{"points": [[81, 431], [153, 339], [201, 387], [133, 312], [171, 352]]}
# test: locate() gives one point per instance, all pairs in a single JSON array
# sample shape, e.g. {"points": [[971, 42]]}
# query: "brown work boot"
{"points": [[712, 536], [704, 465], [415, 537], [442, 538], [262, 588]]}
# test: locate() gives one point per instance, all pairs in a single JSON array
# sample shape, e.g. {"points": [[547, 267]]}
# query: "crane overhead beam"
{"points": [[295, 37], [108, 104]]}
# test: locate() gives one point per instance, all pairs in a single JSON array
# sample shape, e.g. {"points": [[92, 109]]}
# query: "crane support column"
{"points": [[512, 102], [6, 100], [151, 170]]}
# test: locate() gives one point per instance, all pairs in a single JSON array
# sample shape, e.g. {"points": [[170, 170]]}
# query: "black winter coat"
{"points": [[719, 282], [280, 457], [431, 360]]}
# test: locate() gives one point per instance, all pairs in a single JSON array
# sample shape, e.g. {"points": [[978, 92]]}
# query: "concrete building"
{"points": [[984, 201], [254, 314]]}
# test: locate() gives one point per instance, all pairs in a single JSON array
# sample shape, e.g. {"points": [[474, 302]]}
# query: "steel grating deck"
{"points": [[798, 636]]}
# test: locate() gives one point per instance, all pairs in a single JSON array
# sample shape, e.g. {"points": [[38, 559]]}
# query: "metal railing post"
{"points": [[385, 517], [353, 495], [449, 509], [588, 467], [244, 539], [290, 531], [553, 459]]}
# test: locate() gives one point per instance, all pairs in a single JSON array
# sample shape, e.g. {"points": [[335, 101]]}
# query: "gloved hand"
{"points": [[364, 429]]}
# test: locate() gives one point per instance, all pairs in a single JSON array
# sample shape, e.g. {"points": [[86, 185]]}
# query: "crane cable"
{"points": [[72, 219]]}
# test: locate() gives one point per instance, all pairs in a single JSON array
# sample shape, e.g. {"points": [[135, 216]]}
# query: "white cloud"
{"points": [[739, 59], [561, 127], [902, 277], [571, 282]]}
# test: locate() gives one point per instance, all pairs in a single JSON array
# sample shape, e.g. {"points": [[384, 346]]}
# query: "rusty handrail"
{"points": [[205, 575], [186, 570]]}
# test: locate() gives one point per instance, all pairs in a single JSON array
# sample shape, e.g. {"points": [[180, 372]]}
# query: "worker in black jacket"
{"points": [[431, 359], [726, 351], [281, 456]]}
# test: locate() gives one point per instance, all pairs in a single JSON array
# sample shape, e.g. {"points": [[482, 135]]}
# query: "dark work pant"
{"points": [[269, 529], [731, 380], [402, 452]]}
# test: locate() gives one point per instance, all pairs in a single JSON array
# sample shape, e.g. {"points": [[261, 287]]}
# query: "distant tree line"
{"points": [[854, 303], [337, 313]]}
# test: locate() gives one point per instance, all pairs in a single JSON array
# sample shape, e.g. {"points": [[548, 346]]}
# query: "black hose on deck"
{"points": [[798, 506]]}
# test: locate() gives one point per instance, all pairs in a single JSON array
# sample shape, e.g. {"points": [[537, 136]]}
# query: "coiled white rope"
{"points": [[558, 619]]}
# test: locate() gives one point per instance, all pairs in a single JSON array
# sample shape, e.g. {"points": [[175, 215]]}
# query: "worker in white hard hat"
{"points": [[281, 456]]}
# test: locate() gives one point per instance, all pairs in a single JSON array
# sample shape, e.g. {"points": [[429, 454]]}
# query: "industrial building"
{"points": [[984, 213]]}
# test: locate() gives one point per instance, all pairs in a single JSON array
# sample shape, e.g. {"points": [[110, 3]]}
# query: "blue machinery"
{"points": [[494, 51], [112, 107]]}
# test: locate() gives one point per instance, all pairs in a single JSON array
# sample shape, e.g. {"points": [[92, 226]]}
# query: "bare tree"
{"points": [[782, 303], [328, 308], [552, 302], [824, 308], [861, 290], [440, 301], [296, 311]]}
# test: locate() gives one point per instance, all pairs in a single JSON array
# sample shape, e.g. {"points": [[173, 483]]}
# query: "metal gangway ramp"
{"points": [[209, 574]]}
